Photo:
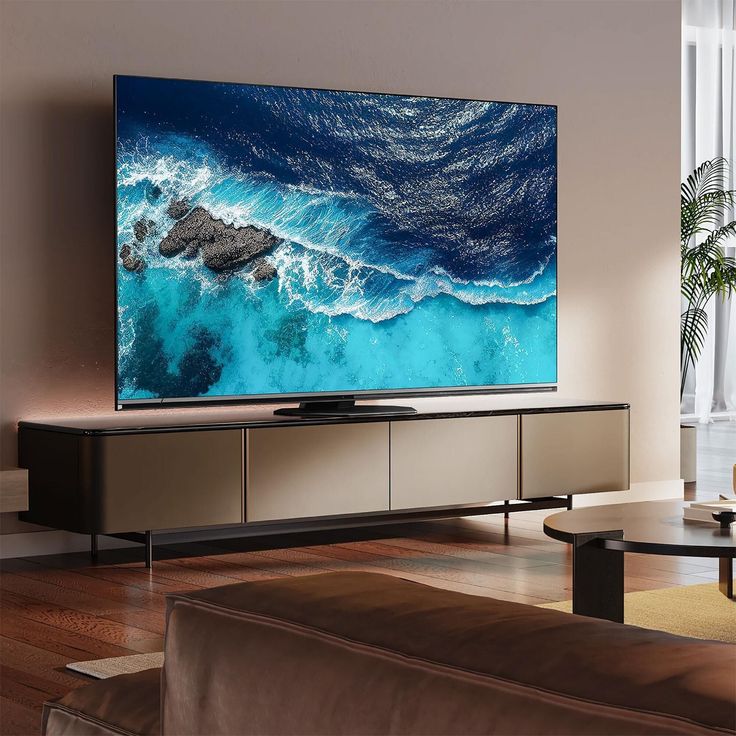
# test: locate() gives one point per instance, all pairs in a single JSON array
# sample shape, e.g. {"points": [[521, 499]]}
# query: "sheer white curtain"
{"points": [[708, 113]]}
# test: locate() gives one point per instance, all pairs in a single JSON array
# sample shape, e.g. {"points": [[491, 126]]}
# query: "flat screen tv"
{"points": [[288, 244]]}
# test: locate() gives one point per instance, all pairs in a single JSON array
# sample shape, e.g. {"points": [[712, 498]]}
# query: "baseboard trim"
{"points": [[53, 542]]}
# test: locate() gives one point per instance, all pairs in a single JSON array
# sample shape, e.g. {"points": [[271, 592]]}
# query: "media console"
{"points": [[249, 472]]}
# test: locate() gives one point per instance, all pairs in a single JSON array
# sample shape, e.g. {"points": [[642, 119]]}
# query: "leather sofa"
{"points": [[360, 653]]}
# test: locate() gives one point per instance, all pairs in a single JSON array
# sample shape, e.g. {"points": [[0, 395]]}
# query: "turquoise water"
{"points": [[287, 348]]}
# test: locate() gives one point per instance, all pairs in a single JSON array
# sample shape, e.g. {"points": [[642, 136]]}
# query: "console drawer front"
{"points": [[574, 452], [299, 472], [167, 480], [448, 462]]}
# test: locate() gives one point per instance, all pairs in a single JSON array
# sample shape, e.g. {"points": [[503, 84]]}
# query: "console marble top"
{"points": [[240, 417]]}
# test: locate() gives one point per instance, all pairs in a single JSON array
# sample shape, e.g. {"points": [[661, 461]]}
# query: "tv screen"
{"points": [[279, 242]]}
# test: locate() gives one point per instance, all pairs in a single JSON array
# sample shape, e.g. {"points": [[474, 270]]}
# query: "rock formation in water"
{"points": [[177, 208], [223, 247], [143, 228], [131, 261], [263, 270]]}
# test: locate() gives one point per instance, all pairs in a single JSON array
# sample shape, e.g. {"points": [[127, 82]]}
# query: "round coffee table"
{"points": [[600, 535]]}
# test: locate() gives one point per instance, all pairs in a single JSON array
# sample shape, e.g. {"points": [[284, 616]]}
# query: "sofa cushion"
{"points": [[126, 704], [367, 653]]}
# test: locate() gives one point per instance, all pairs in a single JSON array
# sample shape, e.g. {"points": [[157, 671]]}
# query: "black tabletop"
{"points": [[254, 416], [650, 527]]}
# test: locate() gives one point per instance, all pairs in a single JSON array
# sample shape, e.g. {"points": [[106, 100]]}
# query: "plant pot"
{"points": [[688, 453]]}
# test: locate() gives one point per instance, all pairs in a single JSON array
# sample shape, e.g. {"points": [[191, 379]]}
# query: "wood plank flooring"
{"points": [[63, 608]]}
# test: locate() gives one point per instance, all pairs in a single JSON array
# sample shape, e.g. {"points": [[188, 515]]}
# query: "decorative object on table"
{"points": [[706, 511], [725, 518]]}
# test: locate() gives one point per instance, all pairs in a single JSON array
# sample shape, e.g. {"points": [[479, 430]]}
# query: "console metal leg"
{"points": [[506, 505], [725, 576], [597, 578], [149, 549], [93, 548], [569, 502]]}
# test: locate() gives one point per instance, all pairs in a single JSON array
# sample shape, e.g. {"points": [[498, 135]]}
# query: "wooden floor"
{"points": [[59, 609]]}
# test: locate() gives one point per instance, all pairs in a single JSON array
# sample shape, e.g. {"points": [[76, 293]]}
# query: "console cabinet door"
{"points": [[166, 480], [298, 472], [448, 462], [574, 452]]}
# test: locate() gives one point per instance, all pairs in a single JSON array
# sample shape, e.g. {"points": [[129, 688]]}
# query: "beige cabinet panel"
{"points": [[574, 452], [298, 472], [447, 462], [167, 480]]}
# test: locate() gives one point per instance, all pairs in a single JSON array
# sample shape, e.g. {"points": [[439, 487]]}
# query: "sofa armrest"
{"points": [[126, 704]]}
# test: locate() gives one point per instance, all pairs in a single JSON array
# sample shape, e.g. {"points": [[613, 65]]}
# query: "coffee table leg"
{"points": [[597, 578], [725, 576]]}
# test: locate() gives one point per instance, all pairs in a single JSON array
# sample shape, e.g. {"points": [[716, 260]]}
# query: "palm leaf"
{"points": [[694, 338], [696, 215], [707, 178], [704, 198], [694, 328], [719, 235]]}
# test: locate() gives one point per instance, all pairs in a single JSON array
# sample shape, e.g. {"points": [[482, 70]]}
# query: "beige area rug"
{"points": [[700, 611], [104, 668]]}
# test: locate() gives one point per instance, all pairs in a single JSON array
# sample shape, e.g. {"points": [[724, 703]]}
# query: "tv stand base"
{"points": [[272, 535], [341, 409]]}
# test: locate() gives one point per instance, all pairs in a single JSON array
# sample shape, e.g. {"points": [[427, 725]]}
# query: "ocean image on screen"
{"points": [[279, 240]]}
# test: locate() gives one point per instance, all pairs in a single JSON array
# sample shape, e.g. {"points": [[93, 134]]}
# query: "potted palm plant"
{"points": [[705, 271]]}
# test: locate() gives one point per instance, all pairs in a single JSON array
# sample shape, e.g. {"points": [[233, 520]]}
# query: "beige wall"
{"points": [[611, 66]]}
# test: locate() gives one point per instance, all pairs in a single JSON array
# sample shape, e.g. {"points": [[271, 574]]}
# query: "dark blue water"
{"points": [[419, 240]]}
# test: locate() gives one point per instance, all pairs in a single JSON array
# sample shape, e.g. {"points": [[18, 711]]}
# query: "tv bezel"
{"points": [[366, 394]]}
